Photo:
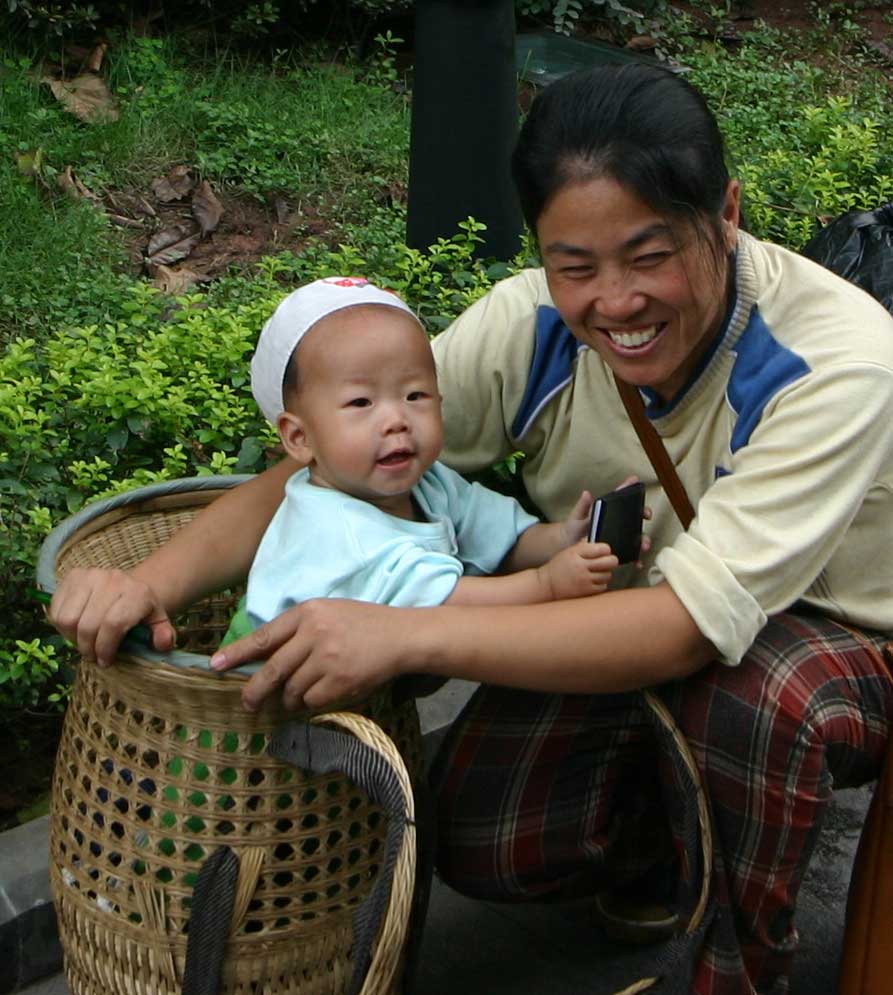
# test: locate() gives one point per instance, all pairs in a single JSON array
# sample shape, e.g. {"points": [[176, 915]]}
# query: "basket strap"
{"points": [[426, 840], [324, 751], [209, 923]]}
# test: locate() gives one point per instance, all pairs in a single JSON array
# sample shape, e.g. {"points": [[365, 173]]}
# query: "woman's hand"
{"points": [[321, 651], [94, 608]]}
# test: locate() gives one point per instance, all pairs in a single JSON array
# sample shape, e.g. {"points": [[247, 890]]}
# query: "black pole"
{"points": [[464, 123]]}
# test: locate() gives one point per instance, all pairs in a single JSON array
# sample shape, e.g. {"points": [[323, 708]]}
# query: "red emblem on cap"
{"points": [[348, 281]]}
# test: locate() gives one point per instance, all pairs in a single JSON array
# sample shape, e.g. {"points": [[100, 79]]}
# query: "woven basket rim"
{"points": [[49, 550], [66, 530]]}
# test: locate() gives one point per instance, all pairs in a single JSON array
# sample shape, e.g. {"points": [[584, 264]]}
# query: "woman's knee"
{"points": [[806, 690]]}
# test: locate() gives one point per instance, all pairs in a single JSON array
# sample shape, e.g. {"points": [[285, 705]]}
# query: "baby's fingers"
{"points": [[583, 507]]}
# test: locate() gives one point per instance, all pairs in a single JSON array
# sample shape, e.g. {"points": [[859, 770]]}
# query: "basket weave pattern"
{"points": [[159, 765]]}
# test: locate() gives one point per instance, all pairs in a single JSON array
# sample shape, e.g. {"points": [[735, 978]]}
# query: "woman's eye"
{"points": [[652, 258]]}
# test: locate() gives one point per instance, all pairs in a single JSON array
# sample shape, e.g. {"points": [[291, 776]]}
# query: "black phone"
{"points": [[617, 520]]}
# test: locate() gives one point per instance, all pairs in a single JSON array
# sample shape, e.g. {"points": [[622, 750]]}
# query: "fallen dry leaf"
{"points": [[171, 245], [175, 186], [86, 96], [72, 186], [641, 43], [206, 208], [94, 59], [175, 281]]}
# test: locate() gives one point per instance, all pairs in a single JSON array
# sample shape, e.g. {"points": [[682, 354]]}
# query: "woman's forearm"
{"points": [[615, 642], [214, 551], [326, 651]]}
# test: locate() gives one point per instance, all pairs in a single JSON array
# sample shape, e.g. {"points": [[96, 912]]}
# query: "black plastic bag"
{"points": [[859, 247]]}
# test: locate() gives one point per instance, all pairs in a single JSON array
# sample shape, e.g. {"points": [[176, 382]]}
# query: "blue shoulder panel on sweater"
{"points": [[551, 369], [762, 368]]}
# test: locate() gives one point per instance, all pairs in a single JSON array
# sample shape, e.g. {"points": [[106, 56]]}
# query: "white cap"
{"points": [[291, 321]]}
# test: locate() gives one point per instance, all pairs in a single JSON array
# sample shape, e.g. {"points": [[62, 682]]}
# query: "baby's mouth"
{"points": [[396, 458], [637, 339]]}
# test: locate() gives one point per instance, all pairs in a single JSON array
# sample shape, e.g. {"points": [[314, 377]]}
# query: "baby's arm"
{"points": [[580, 570], [539, 543]]}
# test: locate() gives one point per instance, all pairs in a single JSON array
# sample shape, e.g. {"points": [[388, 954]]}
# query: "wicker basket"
{"points": [[159, 765]]}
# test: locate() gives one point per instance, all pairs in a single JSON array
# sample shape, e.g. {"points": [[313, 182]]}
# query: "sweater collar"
{"points": [[742, 298]]}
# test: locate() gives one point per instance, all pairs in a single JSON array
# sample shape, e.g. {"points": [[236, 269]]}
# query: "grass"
{"points": [[316, 132]]}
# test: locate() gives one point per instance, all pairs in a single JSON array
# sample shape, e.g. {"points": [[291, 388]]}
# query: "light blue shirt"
{"points": [[322, 543]]}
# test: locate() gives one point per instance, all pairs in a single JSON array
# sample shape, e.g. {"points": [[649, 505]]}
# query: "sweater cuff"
{"points": [[721, 608]]}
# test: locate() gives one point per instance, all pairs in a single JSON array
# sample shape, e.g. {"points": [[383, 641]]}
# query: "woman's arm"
{"points": [[325, 650], [93, 608]]}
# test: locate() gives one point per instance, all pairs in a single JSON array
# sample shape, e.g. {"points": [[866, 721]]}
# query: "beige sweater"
{"points": [[784, 440]]}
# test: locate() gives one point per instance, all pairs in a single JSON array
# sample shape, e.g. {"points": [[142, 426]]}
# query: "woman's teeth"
{"points": [[629, 340]]}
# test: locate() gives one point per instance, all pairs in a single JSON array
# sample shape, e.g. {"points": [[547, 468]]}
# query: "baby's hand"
{"points": [[576, 525], [580, 570]]}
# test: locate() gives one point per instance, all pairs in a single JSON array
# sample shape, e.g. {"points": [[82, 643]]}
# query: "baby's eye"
{"points": [[417, 395], [359, 402]]}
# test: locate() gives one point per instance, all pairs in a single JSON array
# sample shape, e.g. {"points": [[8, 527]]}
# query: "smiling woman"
{"points": [[770, 382]]}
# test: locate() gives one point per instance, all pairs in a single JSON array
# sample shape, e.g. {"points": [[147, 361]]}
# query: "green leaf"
{"points": [[250, 454], [9, 485], [139, 425], [117, 438]]}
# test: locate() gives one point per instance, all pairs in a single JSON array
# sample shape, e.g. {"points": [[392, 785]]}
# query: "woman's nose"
{"points": [[616, 299]]}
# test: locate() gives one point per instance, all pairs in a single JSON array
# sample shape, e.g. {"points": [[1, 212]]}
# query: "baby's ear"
{"points": [[294, 437]]}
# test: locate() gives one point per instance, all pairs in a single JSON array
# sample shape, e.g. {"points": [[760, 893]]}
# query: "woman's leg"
{"points": [[807, 710], [532, 790]]}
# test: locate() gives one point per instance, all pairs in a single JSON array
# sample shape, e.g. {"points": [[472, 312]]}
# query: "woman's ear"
{"points": [[731, 216], [294, 437]]}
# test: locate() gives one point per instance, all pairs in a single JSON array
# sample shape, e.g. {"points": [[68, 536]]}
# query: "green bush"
{"points": [[241, 18], [160, 390], [564, 16], [806, 144]]}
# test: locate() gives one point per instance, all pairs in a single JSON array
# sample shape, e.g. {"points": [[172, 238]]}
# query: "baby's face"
{"points": [[367, 406]]}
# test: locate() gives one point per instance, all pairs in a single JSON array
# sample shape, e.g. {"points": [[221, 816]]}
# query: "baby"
{"points": [[346, 373]]}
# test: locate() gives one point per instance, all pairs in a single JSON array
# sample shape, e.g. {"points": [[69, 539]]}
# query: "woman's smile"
{"points": [[634, 340]]}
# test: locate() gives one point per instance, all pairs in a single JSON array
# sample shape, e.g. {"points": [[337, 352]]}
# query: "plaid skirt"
{"points": [[548, 796]]}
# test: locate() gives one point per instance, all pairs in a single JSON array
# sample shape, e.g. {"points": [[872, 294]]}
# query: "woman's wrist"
{"points": [[423, 643]]}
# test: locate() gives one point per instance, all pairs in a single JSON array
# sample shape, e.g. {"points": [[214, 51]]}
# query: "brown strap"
{"points": [[656, 451]]}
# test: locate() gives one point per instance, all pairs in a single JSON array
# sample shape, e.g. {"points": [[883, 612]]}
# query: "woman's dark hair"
{"points": [[641, 125]]}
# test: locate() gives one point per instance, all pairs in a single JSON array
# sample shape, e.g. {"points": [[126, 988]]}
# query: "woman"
{"points": [[771, 384]]}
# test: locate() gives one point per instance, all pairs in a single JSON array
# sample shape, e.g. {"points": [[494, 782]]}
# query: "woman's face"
{"points": [[646, 293]]}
